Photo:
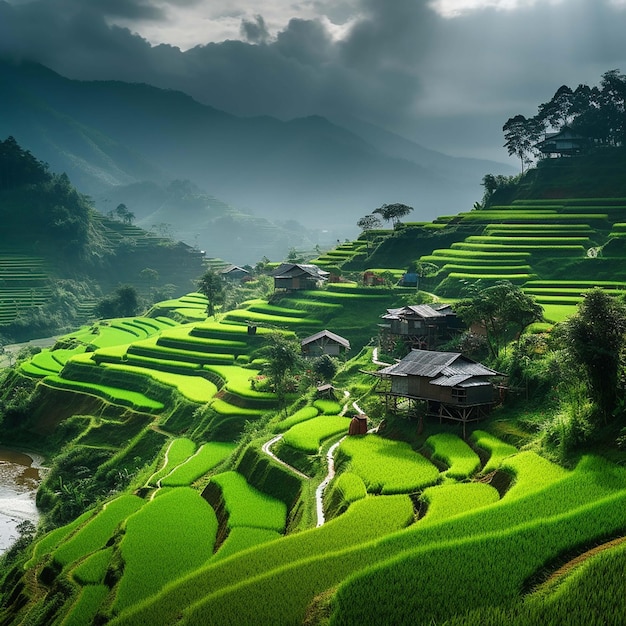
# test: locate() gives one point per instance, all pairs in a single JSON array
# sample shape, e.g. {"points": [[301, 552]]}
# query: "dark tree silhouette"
{"points": [[595, 338], [393, 212], [368, 223]]}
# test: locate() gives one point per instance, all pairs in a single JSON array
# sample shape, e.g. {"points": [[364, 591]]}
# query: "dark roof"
{"points": [[330, 335], [431, 364], [293, 270], [420, 310], [233, 268]]}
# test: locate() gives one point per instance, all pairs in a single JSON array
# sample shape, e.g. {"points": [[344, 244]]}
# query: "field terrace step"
{"points": [[149, 348], [599, 220], [525, 240], [561, 250], [449, 268], [580, 286]]}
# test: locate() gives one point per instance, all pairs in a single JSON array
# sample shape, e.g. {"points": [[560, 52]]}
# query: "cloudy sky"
{"points": [[445, 73]]}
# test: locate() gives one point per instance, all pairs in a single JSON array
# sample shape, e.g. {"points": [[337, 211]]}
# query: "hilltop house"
{"points": [[564, 143], [422, 326], [452, 385], [324, 342], [296, 276]]}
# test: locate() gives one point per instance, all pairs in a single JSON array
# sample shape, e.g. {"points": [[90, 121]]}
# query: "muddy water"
{"points": [[19, 479]]}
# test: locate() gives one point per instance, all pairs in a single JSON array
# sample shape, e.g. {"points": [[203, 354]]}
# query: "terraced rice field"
{"points": [[547, 510], [24, 283], [518, 239]]}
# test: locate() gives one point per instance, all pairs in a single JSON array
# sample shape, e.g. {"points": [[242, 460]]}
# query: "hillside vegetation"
{"points": [[58, 256], [187, 477]]}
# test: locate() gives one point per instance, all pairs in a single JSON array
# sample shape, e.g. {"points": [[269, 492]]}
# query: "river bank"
{"points": [[20, 475]]}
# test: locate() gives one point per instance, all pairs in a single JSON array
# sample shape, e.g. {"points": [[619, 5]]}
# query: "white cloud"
{"points": [[456, 8]]}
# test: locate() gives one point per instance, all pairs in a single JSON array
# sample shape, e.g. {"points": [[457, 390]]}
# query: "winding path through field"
{"points": [[267, 449], [330, 455]]}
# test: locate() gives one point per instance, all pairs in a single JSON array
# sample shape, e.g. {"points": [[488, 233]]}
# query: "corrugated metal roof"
{"points": [[425, 310], [476, 382], [421, 363], [467, 368], [430, 364], [291, 270], [449, 381]]}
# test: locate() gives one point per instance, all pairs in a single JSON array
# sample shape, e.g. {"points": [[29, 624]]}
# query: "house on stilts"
{"points": [[451, 385]]}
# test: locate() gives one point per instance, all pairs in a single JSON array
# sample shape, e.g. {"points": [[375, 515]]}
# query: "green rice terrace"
{"points": [[183, 492], [191, 482], [554, 249]]}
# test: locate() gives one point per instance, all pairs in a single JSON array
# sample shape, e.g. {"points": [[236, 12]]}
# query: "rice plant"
{"points": [[170, 536], [387, 466], [247, 506], [461, 460], [308, 436], [205, 459]]}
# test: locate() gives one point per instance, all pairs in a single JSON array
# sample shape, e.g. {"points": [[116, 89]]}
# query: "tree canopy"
{"points": [[597, 113], [393, 212], [211, 285], [283, 358], [501, 309], [595, 338], [367, 223]]}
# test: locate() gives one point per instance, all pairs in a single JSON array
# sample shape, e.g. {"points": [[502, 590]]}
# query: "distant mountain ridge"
{"points": [[106, 134]]}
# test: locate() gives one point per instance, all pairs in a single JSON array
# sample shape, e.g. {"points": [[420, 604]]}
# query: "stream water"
{"points": [[19, 479]]}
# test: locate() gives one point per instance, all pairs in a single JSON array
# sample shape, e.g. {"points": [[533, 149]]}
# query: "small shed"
{"points": [[298, 276], [421, 326], [358, 425], [326, 391], [324, 342]]}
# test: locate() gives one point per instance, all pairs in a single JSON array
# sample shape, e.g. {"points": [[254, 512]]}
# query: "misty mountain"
{"points": [[181, 210], [105, 134]]}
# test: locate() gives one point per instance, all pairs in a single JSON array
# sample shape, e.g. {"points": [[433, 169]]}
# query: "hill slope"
{"points": [[111, 133]]}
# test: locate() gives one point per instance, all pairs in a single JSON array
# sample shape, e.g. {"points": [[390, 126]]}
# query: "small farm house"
{"points": [[295, 276], [324, 342], [452, 385], [419, 326], [564, 143]]}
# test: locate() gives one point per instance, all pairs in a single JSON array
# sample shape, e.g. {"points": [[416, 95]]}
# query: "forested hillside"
{"points": [[59, 257]]}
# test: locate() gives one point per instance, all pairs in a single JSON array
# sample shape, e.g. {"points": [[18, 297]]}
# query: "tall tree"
{"points": [[393, 212], [520, 136], [502, 309], [368, 223], [212, 286], [595, 338], [283, 359], [558, 111]]}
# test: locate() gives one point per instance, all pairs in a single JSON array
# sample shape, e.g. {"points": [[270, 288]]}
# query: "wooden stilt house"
{"points": [[452, 386]]}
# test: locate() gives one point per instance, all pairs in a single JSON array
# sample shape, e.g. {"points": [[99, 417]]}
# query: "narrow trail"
{"points": [[319, 492], [330, 455], [266, 448]]}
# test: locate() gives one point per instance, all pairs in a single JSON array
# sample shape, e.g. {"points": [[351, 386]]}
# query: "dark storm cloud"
{"points": [[399, 65], [255, 31]]}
